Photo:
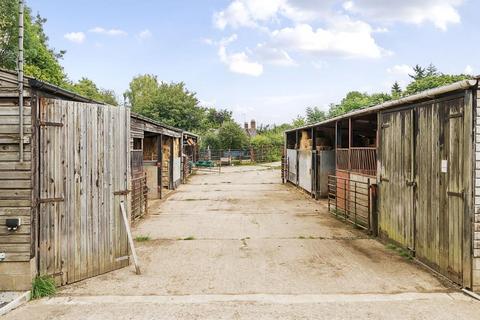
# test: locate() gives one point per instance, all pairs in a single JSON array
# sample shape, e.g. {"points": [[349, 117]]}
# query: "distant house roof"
{"points": [[424, 95], [11, 77]]}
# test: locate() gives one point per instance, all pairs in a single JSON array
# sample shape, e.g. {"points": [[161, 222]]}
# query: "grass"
{"points": [[43, 286], [401, 251], [189, 238], [142, 238]]}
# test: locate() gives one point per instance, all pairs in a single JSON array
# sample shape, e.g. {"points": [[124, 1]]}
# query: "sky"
{"points": [[263, 59]]}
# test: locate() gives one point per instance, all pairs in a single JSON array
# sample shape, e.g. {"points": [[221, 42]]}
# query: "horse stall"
{"points": [[65, 170], [158, 155], [409, 171], [190, 153]]}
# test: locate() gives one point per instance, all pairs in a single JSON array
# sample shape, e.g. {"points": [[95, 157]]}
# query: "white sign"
{"points": [[444, 166]]}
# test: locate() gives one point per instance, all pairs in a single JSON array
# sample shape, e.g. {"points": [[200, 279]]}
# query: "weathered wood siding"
{"points": [[292, 165], [84, 174], [426, 182], [396, 217], [15, 180]]}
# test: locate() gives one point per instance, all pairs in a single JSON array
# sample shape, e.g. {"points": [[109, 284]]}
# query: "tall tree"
{"points": [[314, 114], [418, 72], [215, 118], [232, 136], [89, 89], [396, 90], [169, 103]]}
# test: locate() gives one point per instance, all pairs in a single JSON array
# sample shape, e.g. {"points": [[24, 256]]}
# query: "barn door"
{"points": [[441, 186], [396, 177], [84, 174], [52, 190]]}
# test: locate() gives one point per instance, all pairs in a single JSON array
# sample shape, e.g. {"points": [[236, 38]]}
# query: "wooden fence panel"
{"points": [[84, 174]]}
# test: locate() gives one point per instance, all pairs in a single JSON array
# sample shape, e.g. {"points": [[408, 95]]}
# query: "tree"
{"points": [[215, 118], [8, 33], [355, 100], [299, 121], [89, 89], [396, 90], [315, 115], [232, 136], [210, 140], [418, 72], [169, 103], [433, 82]]}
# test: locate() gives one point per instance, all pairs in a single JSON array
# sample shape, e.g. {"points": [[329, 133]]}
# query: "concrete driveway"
{"points": [[240, 245]]}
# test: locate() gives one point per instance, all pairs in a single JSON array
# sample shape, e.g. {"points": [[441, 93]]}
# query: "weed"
{"points": [[43, 286], [142, 238], [189, 238], [401, 251], [301, 237]]}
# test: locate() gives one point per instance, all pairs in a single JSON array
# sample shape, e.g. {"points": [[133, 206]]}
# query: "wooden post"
{"points": [[130, 239], [160, 165], [349, 144]]}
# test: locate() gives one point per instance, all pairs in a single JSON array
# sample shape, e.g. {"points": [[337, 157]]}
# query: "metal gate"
{"points": [[305, 170], [84, 174], [292, 165]]}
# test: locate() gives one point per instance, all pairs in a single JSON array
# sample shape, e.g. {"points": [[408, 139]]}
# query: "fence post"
{"points": [[345, 200]]}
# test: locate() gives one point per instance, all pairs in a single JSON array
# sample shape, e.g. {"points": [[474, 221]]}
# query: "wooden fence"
{"points": [[84, 174]]}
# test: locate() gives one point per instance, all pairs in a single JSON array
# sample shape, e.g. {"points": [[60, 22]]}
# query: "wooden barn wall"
{"points": [[476, 227], [84, 175], [16, 192]]}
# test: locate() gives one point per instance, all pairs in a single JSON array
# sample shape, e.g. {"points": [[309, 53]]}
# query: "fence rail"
{"points": [[360, 160], [350, 200], [267, 154]]}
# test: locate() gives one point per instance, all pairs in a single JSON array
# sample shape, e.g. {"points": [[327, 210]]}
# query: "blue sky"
{"points": [[263, 59]]}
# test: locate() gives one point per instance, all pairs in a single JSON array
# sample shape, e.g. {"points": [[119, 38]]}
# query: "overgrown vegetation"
{"points": [[41, 61], [142, 238], [43, 286]]}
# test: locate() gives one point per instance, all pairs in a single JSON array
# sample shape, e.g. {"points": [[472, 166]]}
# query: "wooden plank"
{"points": [[15, 184], [15, 175], [14, 119], [14, 111], [126, 222], [15, 165], [15, 156]]}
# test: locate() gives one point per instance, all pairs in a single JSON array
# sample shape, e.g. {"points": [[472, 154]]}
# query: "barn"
{"points": [[407, 170], [65, 169]]}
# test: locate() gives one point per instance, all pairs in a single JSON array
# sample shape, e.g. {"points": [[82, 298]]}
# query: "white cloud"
{"points": [[246, 13], [238, 62], [441, 13], [77, 37], [145, 34], [108, 32], [274, 56], [401, 70], [468, 70], [345, 37]]}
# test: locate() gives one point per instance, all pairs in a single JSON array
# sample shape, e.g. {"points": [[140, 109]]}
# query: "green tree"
{"points": [[396, 90], [355, 100], [418, 72], [8, 33], [169, 103], [215, 118], [232, 136], [431, 82], [299, 121], [314, 115], [210, 140], [89, 89]]}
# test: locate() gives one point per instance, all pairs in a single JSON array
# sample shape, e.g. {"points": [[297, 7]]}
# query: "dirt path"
{"points": [[240, 245]]}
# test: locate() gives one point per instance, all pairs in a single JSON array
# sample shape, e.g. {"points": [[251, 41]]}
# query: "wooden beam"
{"points": [[130, 238]]}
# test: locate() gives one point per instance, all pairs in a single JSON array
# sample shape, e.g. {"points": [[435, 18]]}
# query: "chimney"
{"points": [[253, 124]]}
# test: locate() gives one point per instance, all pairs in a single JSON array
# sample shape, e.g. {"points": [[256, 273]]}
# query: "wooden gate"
{"points": [[440, 175], [84, 174], [396, 219]]}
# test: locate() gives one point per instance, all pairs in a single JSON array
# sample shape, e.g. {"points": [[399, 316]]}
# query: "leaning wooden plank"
{"points": [[129, 235]]}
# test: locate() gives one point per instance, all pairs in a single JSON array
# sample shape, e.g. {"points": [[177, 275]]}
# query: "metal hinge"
{"points": [[49, 124], [456, 194], [121, 193], [47, 200]]}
